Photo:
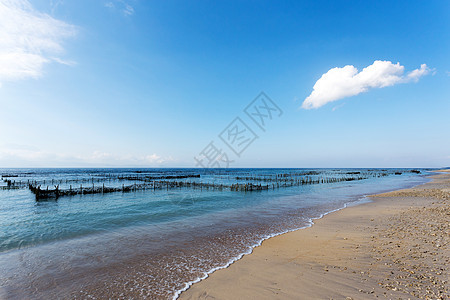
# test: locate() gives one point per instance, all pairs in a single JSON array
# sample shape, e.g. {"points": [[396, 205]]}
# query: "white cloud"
{"points": [[337, 107], [22, 155], [122, 6], [64, 62], [55, 4], [344, 82], [106, 157], [28, 40], [417, 73], [109, 5], [128, 10]]}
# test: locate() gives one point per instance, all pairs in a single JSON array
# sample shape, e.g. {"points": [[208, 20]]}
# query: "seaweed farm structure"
{"points": [[239, 181]]}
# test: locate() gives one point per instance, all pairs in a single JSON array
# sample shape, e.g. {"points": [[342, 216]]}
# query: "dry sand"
{"points": [[396, 247]]}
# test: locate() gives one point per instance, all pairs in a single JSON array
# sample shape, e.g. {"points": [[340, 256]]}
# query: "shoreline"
{"points": [[188, 285], [253, 247], [364, 199], [269, 271]]}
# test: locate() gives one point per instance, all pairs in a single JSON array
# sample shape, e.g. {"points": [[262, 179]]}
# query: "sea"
{"points": [[155, 241]]}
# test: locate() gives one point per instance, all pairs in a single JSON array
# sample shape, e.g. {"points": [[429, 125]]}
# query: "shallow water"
{"points": [[151, 244]]}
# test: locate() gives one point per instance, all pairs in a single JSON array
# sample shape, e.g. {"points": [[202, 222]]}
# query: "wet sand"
{"points": [[396, 247]]}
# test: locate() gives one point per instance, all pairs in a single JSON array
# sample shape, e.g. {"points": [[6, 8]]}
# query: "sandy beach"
{"points": [[396, 247]]}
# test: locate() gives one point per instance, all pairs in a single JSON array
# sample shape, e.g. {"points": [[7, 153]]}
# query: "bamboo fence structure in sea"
{"points": [[172, 184], [247, 182]]}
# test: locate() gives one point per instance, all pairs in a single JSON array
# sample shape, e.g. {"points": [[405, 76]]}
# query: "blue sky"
{"points": [[152, 83]]}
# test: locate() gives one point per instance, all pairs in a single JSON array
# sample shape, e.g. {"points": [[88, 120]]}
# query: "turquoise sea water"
{"points": [[153, 243]]}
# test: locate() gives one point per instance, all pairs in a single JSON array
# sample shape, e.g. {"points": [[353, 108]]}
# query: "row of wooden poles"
{"points": [[165, 184], [302, 180], [52, 182], [155, 185], [276, 181]]}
